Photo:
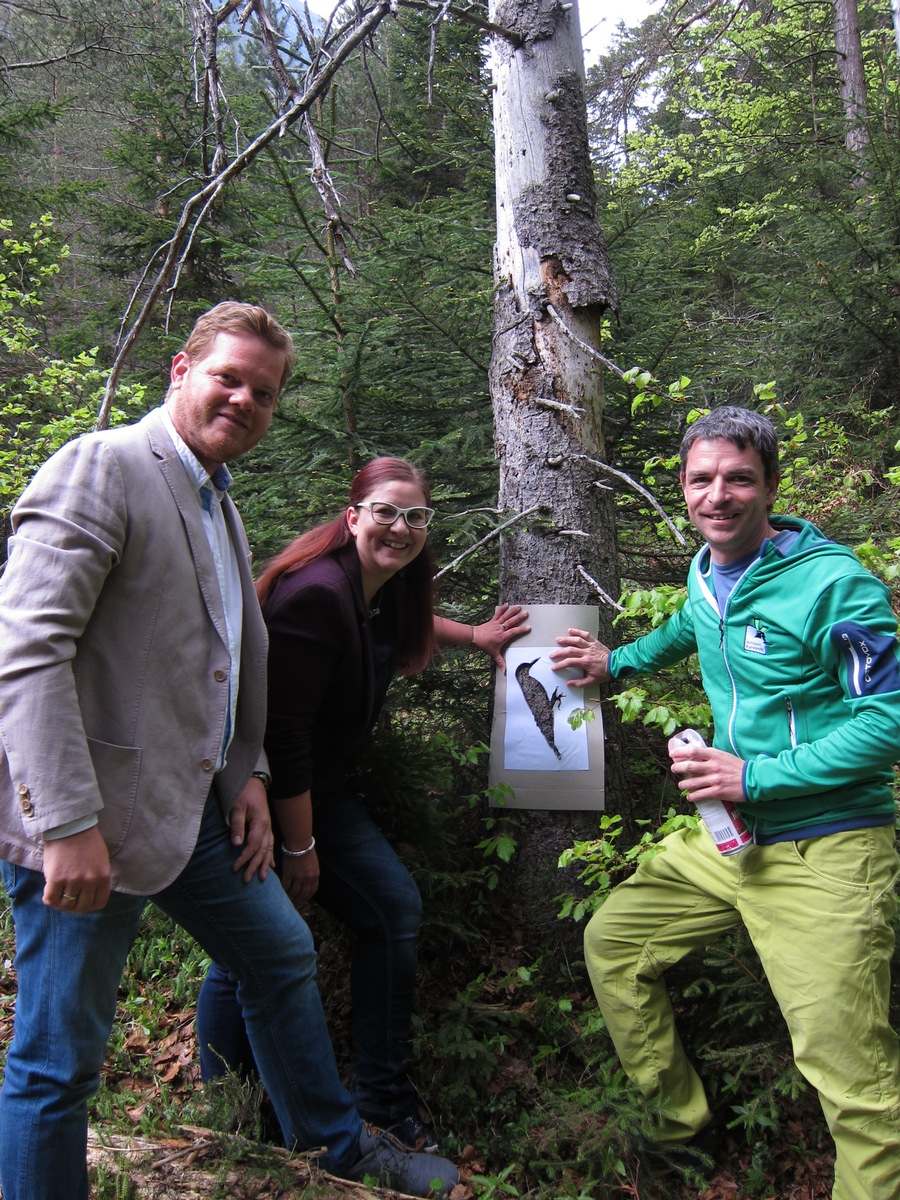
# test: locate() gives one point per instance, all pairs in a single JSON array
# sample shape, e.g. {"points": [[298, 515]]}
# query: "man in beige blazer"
{"points": [[132, 712]]}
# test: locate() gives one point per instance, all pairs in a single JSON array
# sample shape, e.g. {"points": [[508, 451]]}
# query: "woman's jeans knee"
{"points": [[366, 886], [368, 889]]}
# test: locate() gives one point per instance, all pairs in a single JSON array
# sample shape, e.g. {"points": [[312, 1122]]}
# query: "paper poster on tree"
{"points": [[547, 737]]}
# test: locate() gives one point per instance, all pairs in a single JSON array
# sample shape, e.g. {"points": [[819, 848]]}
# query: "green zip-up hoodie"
{"points": [[803, 676]]}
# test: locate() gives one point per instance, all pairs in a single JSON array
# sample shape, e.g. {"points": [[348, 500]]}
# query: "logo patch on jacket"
{"points": [[870, 659], [755, 640]]}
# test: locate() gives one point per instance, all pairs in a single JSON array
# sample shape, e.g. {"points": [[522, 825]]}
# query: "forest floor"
{"points": [[161, 1158], [529, 1099]]}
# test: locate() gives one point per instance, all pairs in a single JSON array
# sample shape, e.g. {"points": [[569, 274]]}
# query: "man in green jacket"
{"points": [[799, 658]]}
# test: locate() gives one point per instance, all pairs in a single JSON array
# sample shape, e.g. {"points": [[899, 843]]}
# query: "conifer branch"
{"points": [[195, 208], [604, 596], [451, 566], [648, 496]]}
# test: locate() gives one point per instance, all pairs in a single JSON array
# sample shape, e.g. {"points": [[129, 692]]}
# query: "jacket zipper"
{"points": [[792, 721]]}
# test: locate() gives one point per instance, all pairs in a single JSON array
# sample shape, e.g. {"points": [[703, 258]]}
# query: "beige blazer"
{"points": [[114, 661]]}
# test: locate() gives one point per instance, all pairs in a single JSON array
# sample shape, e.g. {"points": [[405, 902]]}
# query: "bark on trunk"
{"points": [[552, 275], [851, 75]]}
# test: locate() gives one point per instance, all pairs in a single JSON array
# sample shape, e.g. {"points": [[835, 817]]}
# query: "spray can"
{"points": [[721, 818]]}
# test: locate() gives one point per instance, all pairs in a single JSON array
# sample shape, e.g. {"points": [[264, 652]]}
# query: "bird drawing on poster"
{"points": [[539, 702]]}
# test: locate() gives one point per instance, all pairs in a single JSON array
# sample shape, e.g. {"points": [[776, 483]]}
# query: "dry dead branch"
{"points": [[203, 1163], [174, 253]]}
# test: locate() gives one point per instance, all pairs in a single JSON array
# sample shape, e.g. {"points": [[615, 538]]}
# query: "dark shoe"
{"points": [[698, 1156], [415, 1135], [710, 1140], [390, 1164]]}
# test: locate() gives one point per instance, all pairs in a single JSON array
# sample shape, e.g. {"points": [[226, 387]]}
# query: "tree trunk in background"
{"points": [[851, 74], [547, 392]]}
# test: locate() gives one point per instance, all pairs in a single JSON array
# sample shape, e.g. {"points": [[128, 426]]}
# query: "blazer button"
{"points": [[220, 676], [25, 799], [207, 764]]}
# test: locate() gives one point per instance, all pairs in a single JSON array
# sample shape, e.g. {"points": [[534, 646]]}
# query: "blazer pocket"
{"points": [[118, 770]]}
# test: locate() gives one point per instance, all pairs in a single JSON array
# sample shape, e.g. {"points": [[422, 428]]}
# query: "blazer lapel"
{"points": [[185, 499]]}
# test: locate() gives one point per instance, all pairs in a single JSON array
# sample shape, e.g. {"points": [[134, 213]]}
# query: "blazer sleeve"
{"points": [[69, 531]]}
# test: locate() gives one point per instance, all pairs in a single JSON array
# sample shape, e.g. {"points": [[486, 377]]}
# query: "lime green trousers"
{"points": [[819, 913]]}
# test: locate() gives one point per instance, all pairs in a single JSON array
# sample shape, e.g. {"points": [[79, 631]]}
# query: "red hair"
{"points": [[416, 643]]}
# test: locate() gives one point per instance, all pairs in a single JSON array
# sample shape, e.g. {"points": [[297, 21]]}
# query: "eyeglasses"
{"points": [[386, 514]]}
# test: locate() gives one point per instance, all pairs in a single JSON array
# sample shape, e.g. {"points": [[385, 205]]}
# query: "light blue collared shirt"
{"points": [[210, 494]]}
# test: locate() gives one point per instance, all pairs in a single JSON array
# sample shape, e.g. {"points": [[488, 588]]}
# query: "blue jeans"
{"points": [[68, 968], [365, 885]]}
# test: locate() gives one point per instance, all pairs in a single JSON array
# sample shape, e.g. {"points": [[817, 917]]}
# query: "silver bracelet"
{"points": [[299, 853]]}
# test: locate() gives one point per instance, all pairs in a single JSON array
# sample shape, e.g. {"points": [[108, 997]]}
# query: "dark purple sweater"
{"points": [[329, 668]]}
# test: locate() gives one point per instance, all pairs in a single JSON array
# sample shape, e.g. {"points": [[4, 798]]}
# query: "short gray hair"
{"points": [[741, 426]]}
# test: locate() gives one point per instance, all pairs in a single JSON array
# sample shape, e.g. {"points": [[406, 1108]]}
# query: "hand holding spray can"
{"points": [[721, 817]]}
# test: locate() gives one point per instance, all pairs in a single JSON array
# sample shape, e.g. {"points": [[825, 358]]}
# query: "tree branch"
{"points": [[610, 366], [322, 181], [206, 39], [648, 496], [196, 207], [467, 14], [451, 566], [604, 596], [571, 410], [432, 48], [67, 56]]}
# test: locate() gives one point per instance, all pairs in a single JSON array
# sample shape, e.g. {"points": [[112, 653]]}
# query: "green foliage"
{"points": [[606, 862], [672, 700], [552, 1102], [653, 604], [745, 243], [662, 704], [109, 1184], [492, 1186], [501, 844], [159, 988], [46, 400], [581, 716], [163, 951], [748, 249], [236, 1107], [649, 391], [881, 560]]}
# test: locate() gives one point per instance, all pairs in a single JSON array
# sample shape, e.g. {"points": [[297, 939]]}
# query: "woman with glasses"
{"points": [[348, 605]]}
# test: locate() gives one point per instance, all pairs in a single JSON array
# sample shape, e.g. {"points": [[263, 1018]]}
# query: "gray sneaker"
{"points": [[413, 1134], [390, 1164]]}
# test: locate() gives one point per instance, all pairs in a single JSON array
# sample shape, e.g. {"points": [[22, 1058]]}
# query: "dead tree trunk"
{"points": [[553, 284], [851, 75]]}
